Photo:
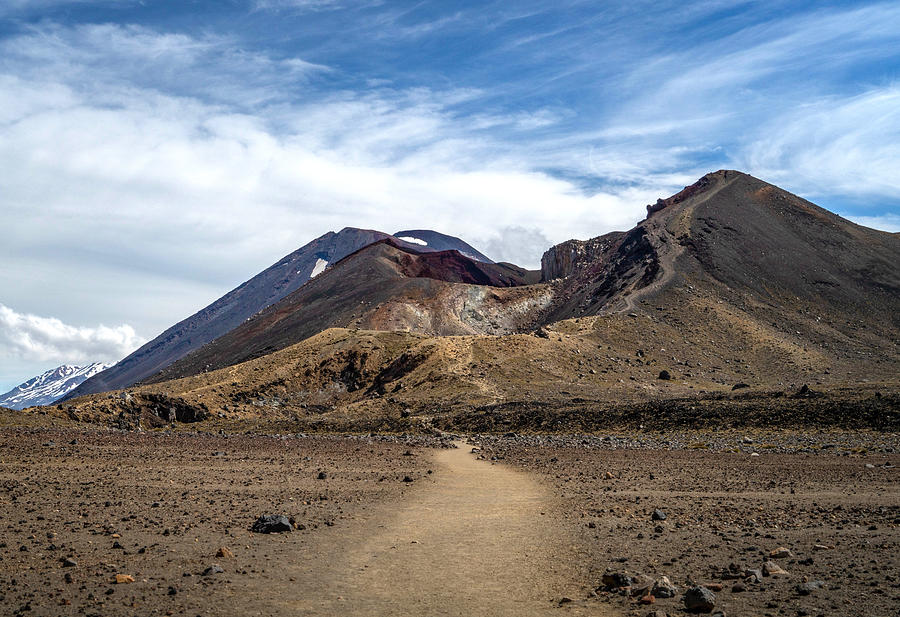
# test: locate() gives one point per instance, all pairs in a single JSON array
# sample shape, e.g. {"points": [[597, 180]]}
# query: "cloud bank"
{"points": [[31, 338]]}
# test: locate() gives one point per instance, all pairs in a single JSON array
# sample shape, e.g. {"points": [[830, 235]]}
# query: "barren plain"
{"points": [[412, 525]]}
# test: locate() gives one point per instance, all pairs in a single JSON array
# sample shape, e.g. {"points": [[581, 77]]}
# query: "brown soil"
{"points": [[408, 526], [477, 539], [393, 528], [725, 508]]}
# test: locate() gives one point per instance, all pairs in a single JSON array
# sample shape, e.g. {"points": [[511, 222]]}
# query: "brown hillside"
{"points": [[738, 291], [383, 286]]}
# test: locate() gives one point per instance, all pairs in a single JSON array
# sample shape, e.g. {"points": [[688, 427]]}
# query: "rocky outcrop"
{"points": [[570, 256], [697, 187]]}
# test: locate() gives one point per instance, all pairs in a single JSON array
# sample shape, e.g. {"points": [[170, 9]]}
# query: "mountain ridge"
{"points": [[380, 286], [733, 283], [50, 386], [226, 313]]}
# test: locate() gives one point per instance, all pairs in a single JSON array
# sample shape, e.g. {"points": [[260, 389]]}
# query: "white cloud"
{"points": [[733, 97], [111, 61], [884, 222], [846, 145], [518, 245], [31, 338], [309, 5], [179, 185]]}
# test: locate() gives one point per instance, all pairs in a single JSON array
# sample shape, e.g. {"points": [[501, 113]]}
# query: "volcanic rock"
{"points": [[699, 600], [272, 523]]}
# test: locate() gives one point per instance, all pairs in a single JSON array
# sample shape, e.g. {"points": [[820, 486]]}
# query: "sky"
{"points": [[156, 154]]}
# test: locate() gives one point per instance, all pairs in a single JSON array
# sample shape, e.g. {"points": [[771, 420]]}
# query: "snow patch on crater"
{"points": [[318, 268]]}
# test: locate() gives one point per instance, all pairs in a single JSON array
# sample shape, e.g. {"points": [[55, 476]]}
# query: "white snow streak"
{"points": [[319, 268], [412, 240]]}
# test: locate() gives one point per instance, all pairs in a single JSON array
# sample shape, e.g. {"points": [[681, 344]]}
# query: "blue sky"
{"points": [[156, 154]]}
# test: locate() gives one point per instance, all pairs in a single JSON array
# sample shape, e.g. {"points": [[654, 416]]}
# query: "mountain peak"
{"points": [[50, 386], [704, 184], [265, 289], [441, 242]]}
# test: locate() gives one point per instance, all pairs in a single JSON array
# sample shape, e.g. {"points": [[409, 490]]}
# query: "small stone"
{"points": [[213, 569], [754, 576], [658, 515], [659, 613], [272, 523], [615, 580], [780, 553], [770, 568], [663, 588], [641, 585], [123, 578], [804, 589], [738, 588], [322, 475], [225, 553], [665, 375], [68, 562], [699, 600], [648, 599]]}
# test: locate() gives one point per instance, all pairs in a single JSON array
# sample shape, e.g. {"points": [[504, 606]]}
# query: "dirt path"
{"points": [[671, 250], [476, 541]]}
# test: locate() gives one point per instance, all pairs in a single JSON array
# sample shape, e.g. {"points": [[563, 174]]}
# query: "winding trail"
{"points": [[476, 541], [669, 249]]}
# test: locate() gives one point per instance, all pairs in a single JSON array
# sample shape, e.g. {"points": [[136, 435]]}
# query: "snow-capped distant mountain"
{"points": [[51, 386]]}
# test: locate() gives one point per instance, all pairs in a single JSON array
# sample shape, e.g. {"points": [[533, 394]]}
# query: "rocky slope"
{"points": [[50, 386], [728, 299], [739, 237], [384, 286], [266, 288]]}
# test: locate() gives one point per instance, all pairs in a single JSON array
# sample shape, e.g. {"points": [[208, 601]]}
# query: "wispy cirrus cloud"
{"points": [[849, 145], [107, 59]]}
